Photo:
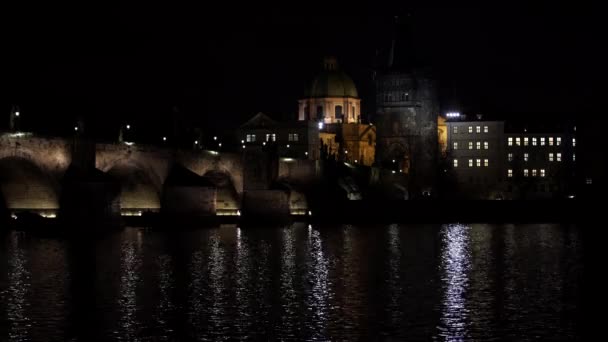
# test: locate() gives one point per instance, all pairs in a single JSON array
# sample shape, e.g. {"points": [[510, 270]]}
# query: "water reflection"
{"points": [[455, 263], [165, 303], [19, 283], [317, 291], [288, 322], [129, 279]]}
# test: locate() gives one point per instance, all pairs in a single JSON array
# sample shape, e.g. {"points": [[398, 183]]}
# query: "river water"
{"points": [[301, 282]]}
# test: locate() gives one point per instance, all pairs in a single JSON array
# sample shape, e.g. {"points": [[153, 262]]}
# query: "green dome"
{"points": [[331, 82]]}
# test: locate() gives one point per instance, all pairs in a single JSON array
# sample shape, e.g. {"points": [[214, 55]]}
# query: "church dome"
{"points": [[331, 82]]}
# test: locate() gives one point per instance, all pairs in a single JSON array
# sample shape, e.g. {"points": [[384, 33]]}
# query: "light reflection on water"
{"points": [[399, 282]]}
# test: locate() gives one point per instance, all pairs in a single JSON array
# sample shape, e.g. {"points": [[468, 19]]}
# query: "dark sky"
{"points": [[221, 65]]}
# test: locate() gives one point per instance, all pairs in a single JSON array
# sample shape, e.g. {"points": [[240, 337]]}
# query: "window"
{"points": [[485, 129], [533, 141], [510, 173], [526, 141], [338, 112], [250, 137], [455, 129], [479, 145], [525, 157], [542, 141], [558, 141], [542, 172], [558, 156], [550, 157], [589, 181], [478, 162], [293, 137], [533, 172], [486, 163], [525, 172], [455, 145], [271, 137], [470, 162], [478, 129], [470, 145], [573, 142], [518, 141], [550, 141], [485, 145], [510, 141], [455, 162], [470, 129], [510, 156], [573, 157]]}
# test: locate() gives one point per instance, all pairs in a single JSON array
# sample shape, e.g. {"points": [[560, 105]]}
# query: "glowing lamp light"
{"points": [[214, 138], [287, 145], [220, 144], [305, 153], [346, 151], [16, 113], [195, 142], [400, 171], [243, 146], [393, 171], [164, 138], [128, 143], [76, 128], [242, 141], [393, 160], [452, 114], [356, 161], [238, 213], [309, 213], [128, 126], [13, 216], [320, 125], [263, 143]]}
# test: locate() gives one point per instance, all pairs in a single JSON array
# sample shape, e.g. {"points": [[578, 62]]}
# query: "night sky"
{"points": [[222, 65]]}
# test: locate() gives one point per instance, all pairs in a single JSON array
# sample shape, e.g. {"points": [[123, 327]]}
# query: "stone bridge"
{"points": [[32, 169]]}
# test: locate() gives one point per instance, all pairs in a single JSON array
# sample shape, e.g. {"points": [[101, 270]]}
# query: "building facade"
{"points": [[488, 161]]}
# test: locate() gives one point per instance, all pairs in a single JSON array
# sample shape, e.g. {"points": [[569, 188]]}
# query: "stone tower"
{"points": [[406, 117]]}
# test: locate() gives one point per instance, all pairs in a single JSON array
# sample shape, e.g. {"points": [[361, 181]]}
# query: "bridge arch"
{"points": [[26, 186], [140, 187]]}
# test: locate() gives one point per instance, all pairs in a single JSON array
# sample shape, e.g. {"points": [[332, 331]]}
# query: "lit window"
{"points": [[573, 142], [525, 157], [558, 156], [485, 145], [542, 141], [486, 162], [510, 141], [533, 172], [271, 137], [518, 141], [526, 173], [573, 156], [470, 145], [588, 181], [455, 129], [479, 145], [510, 173], [478, 162], [293, 137], [470, 129], [485, 129], [455, 145], [550, 157], [533, 141], [250, 137], [470, 162], [542, 172], [550, 141], [510, 156], [455, 162], [558, 141], [525, 141], [478, 129]]}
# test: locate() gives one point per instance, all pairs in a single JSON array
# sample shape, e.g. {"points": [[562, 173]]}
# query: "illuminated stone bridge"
{"points": [[33, 170]]}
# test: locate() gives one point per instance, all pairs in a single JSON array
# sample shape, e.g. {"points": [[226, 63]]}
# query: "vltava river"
{"points": [[396, 282]]}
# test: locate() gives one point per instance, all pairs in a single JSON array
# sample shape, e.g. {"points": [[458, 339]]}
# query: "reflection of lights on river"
{"points": [[455, 265], [319, 296], [18, 279], [129, 278]]}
